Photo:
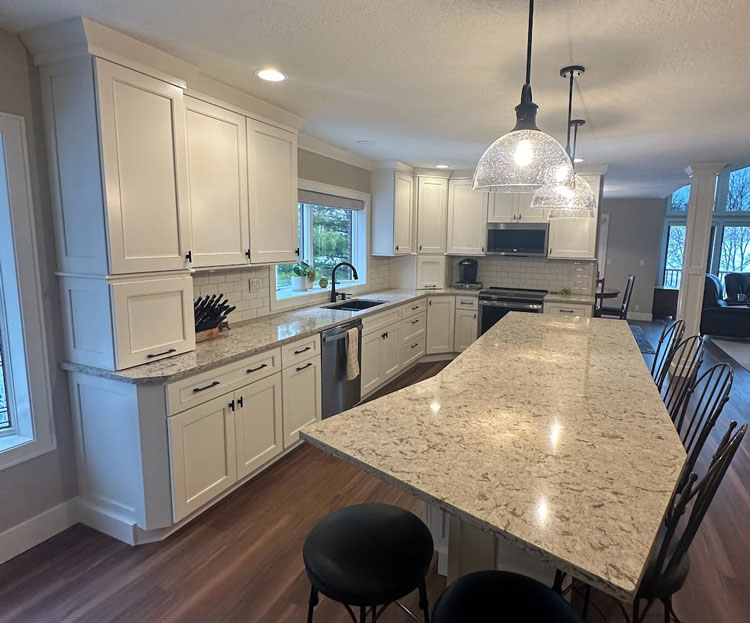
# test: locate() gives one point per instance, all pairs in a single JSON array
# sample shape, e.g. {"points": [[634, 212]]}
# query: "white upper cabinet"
{"points": [[432, 209], [272, 175], [575, 238], [217, 184], [514, 208], [393, 228], [467, 218], [142, 130]]}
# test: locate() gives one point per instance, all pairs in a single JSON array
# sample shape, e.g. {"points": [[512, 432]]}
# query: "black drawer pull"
{"points": [[302, 350], [465, 303], [307, 365], [415, 345], [415, 321], [567, 311], [260, 367], [415, 307], [209, 386], [241, 401], [166, 352]]}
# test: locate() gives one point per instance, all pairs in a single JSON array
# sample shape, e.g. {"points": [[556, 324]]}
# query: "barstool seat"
{"points": [[501, 597], [368, 555]]}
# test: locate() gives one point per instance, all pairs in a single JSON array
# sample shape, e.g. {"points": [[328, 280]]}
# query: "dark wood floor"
{"points": [[241, 560]]}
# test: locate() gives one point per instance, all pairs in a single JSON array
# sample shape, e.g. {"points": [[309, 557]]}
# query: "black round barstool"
{"points": [[501, 597], [367, 556]]}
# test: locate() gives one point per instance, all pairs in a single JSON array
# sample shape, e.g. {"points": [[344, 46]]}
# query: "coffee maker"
{"points": [[467, 275]]}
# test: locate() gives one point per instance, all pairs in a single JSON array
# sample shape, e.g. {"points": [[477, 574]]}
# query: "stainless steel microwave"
{"points": [[517, 239]]}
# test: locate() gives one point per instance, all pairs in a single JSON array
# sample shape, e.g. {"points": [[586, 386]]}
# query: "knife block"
{"points": [[208, 334]]}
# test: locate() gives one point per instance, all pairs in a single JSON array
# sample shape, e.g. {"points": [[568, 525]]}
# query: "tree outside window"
{"points": [[735, 250], [738, 193]]}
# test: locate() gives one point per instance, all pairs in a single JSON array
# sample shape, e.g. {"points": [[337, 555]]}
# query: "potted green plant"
{"points": [[304, 276]]}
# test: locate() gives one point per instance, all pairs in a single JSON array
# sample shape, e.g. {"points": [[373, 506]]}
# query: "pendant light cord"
{"points": [[528, 44], [570, 113], [575, 141]]}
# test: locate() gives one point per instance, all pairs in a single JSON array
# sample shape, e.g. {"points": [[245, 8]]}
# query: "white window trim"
{"points": [[317, 295], [29, 399]]}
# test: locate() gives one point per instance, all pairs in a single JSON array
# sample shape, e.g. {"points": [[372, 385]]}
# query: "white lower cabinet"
{"points": [[372, 377], [302, 397], [390, 352], [381, 356], [466, 329], [440, 324], [575, 309], [258, 423], [412, 350], [202, 453]]}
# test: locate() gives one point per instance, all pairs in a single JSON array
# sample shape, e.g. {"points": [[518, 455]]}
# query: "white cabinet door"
{"points": [[572, 238], [525, 213], [202, 454], [431, 272], [403, 213], [272, 182], [370, 364], [142, 133], [467, 218], [153, 319], [302, 398], [390, 352], [432, 208], [502, 207], [258, 425], [217, 184], [466, 329], [440, 319]]}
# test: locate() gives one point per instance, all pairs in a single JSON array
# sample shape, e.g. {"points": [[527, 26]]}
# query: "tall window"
{"points": [[25, 403], [730, 234], [332, 229]]}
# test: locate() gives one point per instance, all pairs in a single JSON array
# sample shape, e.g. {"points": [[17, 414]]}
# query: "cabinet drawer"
{"points": [[413, 308], [568, 310], [300, 350], [467, 302], [412, 350], [412, 327], [378, 321], [200, 388], [153, 319]]}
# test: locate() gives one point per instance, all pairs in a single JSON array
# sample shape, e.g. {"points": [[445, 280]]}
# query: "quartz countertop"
{"points": [[548, 432], [254, 336], [557, 297]]}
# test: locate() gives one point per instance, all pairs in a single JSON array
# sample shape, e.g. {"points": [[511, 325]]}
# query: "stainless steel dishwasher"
{"points": [[338, 393]]}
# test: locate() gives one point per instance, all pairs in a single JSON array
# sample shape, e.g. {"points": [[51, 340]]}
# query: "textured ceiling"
{"points": [[667, 83]]}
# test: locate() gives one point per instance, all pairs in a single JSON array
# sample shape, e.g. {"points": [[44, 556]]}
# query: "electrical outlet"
{"points": [[637, 308], [642, 263], [255, 285]]}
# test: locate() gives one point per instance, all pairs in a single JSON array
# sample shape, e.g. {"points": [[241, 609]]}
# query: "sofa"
{"points": [[720, 319], [737, 283]]}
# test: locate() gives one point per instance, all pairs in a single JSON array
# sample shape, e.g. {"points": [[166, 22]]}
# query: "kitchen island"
{"points": [[546, 442]]}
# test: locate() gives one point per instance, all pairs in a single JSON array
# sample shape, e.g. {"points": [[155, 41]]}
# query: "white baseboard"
{"points": [[639, 316], [31, 532]]}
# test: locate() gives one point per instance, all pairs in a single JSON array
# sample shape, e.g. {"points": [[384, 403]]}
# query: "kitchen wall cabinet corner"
{"points": [[575, 238], [432, 214], [272, 179], [467, 218], [393, 210]]}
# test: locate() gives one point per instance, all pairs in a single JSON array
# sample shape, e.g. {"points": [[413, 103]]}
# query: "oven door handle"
{"points": [[518, 306]]}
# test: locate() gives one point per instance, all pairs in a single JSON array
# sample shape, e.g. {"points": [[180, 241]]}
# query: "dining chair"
{"points": [[368, 556], [671, 336], [669, 564], [622, 311], [501, 596], [680, 374]]}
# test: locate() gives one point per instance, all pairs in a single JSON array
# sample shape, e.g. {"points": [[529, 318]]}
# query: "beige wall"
{"points": [[334, 172], [634, 236], [44, 482]]}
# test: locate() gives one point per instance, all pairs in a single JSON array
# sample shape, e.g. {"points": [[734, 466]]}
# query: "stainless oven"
{"points": [[495, 303], [527, 239]]}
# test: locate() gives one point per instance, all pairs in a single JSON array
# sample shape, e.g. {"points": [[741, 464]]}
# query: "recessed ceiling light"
{"points": [[441, 166], [367, 142], [577, 160], [270, 74]]}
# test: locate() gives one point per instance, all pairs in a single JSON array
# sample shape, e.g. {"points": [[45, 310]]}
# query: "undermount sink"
{"points": [[356, 305]]}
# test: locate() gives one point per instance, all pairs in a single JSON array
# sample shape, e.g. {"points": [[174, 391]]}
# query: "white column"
{"points": [[697, 242]]}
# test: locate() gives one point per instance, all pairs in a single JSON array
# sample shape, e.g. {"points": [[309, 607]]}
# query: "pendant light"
{"points": [[526, 158], [563, 201]]}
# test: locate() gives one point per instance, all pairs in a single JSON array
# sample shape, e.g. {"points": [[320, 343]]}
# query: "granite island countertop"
{"points": [[248, 338], [548, 432]]}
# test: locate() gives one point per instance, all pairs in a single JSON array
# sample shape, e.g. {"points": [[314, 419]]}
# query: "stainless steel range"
{"points": [[494, 303]]}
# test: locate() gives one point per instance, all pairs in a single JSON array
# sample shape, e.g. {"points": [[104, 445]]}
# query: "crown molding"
{"points": [[323, 148]]}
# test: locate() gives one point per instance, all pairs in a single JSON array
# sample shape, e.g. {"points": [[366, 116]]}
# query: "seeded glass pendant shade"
{"points": [[562, 202], [526, 158]]}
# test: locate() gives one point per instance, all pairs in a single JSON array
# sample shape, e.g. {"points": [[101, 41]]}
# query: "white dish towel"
{"points": [[352, 354]]}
